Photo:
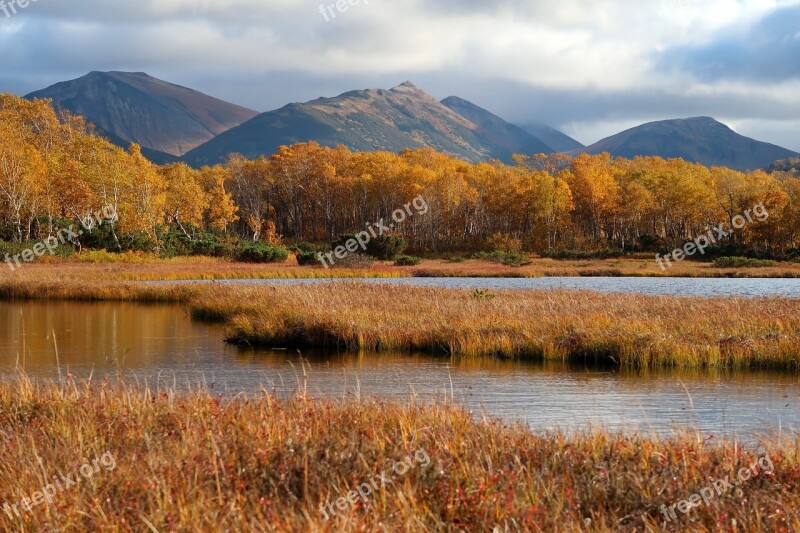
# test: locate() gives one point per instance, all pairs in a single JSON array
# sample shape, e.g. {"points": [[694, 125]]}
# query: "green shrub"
{"points": [[408, 260], [386, 247], [258, 252], [14, 248], [456, 259], [743, 262], [512, 259], [308, 258], [383, 247]]}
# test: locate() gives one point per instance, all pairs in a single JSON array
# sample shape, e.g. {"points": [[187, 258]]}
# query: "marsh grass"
{"points": [[114, 267], [585, 327], [194, 462], [636, 331]]}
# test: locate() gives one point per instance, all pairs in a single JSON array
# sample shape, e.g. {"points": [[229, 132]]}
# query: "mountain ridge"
{"points": [[136, 107], [403, 117], [702, 140]]}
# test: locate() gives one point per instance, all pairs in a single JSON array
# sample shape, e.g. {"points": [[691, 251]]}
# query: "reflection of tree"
{"points": [[104, 335]]}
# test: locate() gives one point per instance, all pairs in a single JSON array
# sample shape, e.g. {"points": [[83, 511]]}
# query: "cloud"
{"points": [[766, 52], [572, 63]]}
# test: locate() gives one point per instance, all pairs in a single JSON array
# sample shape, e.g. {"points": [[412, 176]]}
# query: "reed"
{"points": [[634, 331], [200, 268], [193, 462], [622, 330]]}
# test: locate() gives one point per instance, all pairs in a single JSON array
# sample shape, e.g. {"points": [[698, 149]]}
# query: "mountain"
{"points": [[507, 139], [700, 139], [372, 119], [135, 107], [155, 156], [557, 140]]}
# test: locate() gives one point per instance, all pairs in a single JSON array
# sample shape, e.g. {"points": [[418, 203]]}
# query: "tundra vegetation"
{"points": [[197, 462]]}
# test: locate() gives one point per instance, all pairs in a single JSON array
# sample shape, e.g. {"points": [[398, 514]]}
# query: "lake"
{"points": [[161, 346]]}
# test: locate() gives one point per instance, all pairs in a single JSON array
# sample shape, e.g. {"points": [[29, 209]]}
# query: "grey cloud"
{"points": [[768, 51]]}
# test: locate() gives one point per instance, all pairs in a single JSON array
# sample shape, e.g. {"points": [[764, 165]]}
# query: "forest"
{"points": [[54, 170]]}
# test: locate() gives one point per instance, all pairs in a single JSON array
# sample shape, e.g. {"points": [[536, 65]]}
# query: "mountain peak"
{"points": [[116, 74], [406, 85], [702, 140], [136, 107], [405, 117]]}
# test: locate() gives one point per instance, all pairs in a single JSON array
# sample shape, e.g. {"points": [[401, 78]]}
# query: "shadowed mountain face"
{"points": [[506, 139], [135, 107], [374, 119], [701, 140], [553, 138]]}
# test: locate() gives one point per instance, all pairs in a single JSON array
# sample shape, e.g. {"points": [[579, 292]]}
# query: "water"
{"points": [[161, 346], [749, 287]]}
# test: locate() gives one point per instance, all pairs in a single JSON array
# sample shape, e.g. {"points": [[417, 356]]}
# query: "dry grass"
{"points": [[628, 330], [209, 268], [195, 463], [183, 268], [643, 267]]}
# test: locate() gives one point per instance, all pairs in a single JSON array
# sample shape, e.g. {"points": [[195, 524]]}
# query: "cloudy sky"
{"points": [[590, 68]]}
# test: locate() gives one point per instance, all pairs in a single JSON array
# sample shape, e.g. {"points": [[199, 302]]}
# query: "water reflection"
{"points": [[159, 345]]}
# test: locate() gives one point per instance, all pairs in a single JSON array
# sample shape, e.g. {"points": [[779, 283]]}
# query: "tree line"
{"points": [[54, 168]]}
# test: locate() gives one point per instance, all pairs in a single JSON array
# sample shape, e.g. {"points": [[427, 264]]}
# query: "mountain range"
{"points": [[376, 119], [174, 123]]}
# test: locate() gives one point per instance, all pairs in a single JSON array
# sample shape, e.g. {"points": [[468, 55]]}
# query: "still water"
{"points": [[161, 346]]}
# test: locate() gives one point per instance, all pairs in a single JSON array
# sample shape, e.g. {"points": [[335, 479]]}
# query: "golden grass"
{"points": [[201, 268], [627, 267], [193, 462], [180, 268], [627, 330]]}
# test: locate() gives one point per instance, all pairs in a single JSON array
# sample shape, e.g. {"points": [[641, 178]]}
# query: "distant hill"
{"points": [[135, 107], [558, 141], [507, 139], [373, 119], [700, 139]]}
